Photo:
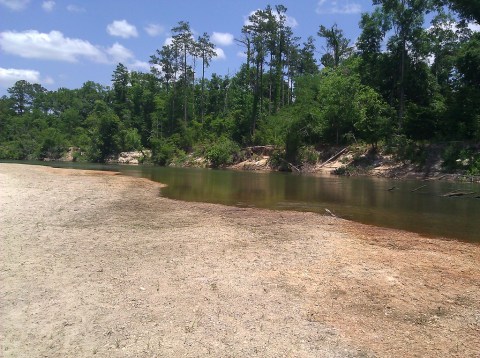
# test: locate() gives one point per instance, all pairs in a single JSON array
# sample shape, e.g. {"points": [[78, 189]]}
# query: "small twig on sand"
{"points": [[331, 214]]}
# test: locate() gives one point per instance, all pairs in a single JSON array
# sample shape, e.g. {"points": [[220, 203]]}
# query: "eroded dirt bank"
{"points": [[96, 264]]}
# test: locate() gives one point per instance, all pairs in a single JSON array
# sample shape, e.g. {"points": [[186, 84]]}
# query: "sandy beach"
{"points": [[98, 264]]}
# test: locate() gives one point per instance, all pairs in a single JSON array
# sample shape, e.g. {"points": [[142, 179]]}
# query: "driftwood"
{"points": [[335, 156], [458, 193], [416, 189], [392, 188]]}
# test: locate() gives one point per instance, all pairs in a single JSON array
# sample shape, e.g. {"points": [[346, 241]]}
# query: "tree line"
{"points": [[400, 85]]}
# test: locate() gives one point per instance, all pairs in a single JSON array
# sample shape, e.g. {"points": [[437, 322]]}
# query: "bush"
{"points": [[277, 160], [12, 150], [222, 152], [406, 149], [450, 156], [309, 155], [163, 151], [131, 139], [458, 156], [52, 144], [474, 168]]}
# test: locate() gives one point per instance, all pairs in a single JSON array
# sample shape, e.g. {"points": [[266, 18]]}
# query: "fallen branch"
{"points": [[416, 189], [458, 193], [332, 158]]}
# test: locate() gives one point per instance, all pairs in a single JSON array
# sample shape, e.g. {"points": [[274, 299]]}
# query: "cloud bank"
{"points": [[8, 76], [55, 46]]}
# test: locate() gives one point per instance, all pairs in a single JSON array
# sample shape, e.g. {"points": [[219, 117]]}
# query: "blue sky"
{"points": [[64, 43]]}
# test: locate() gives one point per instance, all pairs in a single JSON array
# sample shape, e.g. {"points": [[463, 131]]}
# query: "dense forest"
{"points": [[402, 86]]}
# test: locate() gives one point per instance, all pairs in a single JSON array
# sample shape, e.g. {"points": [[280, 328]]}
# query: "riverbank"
{"points": [[100, 264], [363, 161]]}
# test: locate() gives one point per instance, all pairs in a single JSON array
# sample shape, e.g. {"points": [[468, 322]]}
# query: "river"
{"points": [[363, 199]]}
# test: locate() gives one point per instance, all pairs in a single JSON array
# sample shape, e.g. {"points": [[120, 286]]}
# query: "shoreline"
{"points": [[93, 263]]}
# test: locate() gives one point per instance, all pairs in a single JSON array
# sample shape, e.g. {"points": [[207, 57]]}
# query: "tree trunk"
{"points": [[202, 111], [185, 84], [401, 111]]}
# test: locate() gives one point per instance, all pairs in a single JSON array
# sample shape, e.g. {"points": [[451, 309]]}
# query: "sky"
{"points": [[64, 43]]}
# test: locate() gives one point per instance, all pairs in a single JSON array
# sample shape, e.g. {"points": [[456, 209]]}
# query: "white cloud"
{"points": [[15, 5], [140, 65], [168, 41], [48, 5], [119, 53], [222, 38], [8, 76], [219, 54], [122, 28], [75, 8], [54, 46], [49, 46], [474, 27], [154, 29], [338, 7]]}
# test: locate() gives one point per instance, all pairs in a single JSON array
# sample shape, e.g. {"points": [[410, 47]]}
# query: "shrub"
{"points": [[458, 156], [406, 149], [52, 144], [163, 151], [222, 152], [308, 154], [474, 168], [131, 139]]}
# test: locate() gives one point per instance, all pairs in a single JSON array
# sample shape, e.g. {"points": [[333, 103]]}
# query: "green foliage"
{"points": [[336, 108], [104, 128], [277, 160], [278, 97], [374, 115], [130, 139], [222, 152], [338, 47], [406, 149], [460, 157], [163, 151], [308, 154], [16, 150], [474, 167], [52, 144], [273, 130]]}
